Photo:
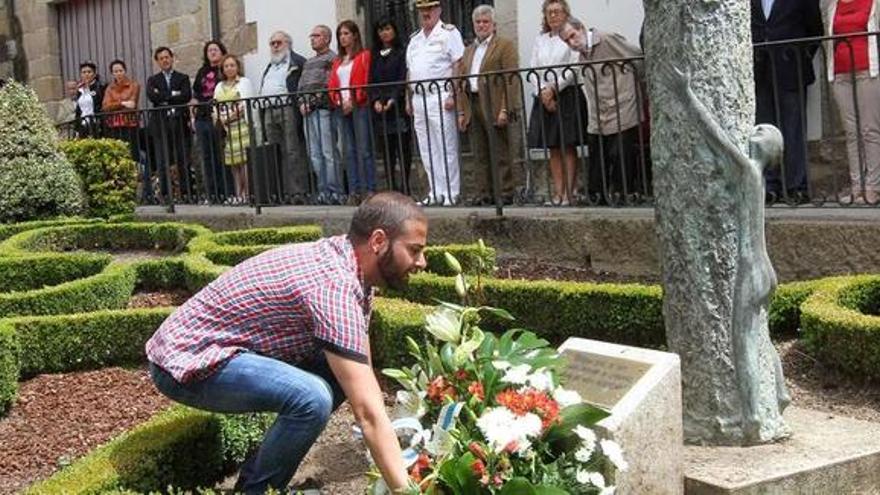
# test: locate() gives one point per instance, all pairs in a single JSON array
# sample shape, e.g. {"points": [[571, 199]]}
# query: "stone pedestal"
{"points": [[642, 389], [825, 454]]}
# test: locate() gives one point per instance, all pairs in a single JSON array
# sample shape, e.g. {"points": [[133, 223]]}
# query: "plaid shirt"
{"points": [[286, 304]]}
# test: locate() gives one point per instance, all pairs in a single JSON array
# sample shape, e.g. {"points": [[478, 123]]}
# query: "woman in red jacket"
{"points": [[351, 69]]}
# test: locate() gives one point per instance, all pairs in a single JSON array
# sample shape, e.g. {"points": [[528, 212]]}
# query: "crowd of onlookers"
{"points": [[326, 121]]}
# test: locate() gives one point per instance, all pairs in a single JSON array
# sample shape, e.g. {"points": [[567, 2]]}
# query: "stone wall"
{"points": [[238, 35], [41, 50]]}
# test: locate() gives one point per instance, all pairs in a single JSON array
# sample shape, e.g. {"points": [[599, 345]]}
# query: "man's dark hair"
{"points": [[160, 50], [387, 211]]}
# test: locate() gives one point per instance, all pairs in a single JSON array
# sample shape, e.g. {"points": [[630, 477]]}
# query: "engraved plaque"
{"points": [[602, 380]]}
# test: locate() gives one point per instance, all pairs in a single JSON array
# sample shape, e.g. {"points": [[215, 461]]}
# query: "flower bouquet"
{"points": [[481, 414]]}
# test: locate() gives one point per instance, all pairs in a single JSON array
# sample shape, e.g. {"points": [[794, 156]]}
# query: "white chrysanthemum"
{"points": [[608, 490], [587, 436], [500, 365], [541, 380], [518, 375], [582, 476], [597, 480], [583, 454], [615, 454], [566, 398], [501, 428]]}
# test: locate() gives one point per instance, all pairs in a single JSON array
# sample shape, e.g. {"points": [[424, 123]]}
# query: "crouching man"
{"points": [[286, 332]]}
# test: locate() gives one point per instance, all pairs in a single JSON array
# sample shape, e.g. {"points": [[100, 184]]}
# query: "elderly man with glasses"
{"points": [[281, 123]]}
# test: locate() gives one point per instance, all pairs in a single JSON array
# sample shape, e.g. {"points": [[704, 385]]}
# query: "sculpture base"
{"points": [[825, 454]]}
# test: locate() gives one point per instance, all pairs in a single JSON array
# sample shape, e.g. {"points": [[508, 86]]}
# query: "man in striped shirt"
{"points": [[286, 332]]}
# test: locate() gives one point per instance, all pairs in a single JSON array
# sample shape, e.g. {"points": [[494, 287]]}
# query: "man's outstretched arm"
{"points": [[365, 397]]}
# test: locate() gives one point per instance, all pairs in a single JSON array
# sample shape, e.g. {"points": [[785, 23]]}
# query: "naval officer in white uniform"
{"points": [[434, 52]]}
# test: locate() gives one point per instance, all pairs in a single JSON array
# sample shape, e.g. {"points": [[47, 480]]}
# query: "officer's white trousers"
{"points": [[438, 146]]}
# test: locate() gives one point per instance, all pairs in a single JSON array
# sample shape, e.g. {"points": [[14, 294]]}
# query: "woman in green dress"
{"points": [[231, 113]]}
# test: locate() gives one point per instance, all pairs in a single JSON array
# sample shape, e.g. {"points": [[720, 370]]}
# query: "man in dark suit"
{"points": [[169, 128], [486, 107], [281, 122], [781, 76]]}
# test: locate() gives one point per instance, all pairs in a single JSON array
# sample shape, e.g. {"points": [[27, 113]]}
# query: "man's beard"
{"points": [[278, 58], [394, 277]]}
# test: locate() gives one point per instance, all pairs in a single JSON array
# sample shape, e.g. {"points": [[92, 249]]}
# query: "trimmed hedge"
{"points": [[191, 272], [9, 366], [43, 270], [55, 344], [836, 328], [231, 248], [391, 321], [180, 447], [110, 289], [627, 314], [9, 230], [165, 236], [785, 306], [468, 255]]}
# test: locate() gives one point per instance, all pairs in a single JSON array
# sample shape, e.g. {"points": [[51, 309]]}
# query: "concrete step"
{"points": [[825, 455]]}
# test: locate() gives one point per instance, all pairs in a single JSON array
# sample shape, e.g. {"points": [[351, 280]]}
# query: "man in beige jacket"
{"points": [[614, 108], [486, 107]]}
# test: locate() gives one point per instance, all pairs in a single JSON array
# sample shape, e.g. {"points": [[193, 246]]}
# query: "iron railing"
{"points": [[188, 160]]}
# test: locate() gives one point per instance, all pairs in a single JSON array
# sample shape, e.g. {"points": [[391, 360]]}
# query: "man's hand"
{"points": [[449, 104], [365, 397], [503, 119], [303, 109], [677, 81], [409, 108], [462, 123], [347, 107]]}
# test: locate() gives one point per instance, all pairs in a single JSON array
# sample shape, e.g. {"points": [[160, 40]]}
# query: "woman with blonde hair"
{"points": [[231, 114], [559, 109]]}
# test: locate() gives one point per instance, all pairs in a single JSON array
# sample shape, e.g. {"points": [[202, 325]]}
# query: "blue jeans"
{"points": [[304, 397], [357, 142], [321, 139]]}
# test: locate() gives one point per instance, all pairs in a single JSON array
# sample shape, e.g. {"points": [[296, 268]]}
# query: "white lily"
{"points": [[409, 404], [444, 324]]}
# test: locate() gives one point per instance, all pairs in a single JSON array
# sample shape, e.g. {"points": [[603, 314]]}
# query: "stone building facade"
{"points": [[31, 45]]}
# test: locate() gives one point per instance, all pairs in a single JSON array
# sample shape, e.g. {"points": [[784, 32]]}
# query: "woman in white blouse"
{"points": [[559, 109]]}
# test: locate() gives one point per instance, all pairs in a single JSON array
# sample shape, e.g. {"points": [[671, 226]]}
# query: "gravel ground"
{"points": [[61, 417]]}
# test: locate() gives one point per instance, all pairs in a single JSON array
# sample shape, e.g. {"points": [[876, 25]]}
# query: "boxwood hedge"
{"points": [[110, 289], [9, 366], [23, 273], [111, 236], [231, 248], [838, 325]]}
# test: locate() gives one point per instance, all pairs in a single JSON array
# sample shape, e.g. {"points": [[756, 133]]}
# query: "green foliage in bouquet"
{"points": [[486, 414], [36, 180]]}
